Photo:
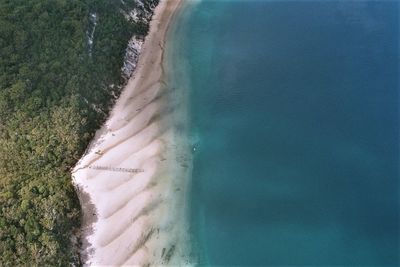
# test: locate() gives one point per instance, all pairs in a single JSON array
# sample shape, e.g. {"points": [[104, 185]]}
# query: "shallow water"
{"points": [[295, 122]]}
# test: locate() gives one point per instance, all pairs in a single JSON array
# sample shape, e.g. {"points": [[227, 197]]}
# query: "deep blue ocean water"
{"points": [[295, 121]]}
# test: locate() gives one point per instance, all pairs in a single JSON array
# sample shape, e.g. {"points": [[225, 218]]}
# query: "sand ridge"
{"points": [[138, 218]]}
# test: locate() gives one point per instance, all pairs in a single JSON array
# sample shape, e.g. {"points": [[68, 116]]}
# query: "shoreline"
{"points": [[129, 217]]}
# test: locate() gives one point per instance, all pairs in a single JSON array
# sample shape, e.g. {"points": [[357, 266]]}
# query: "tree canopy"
{"points": [[54, 93]]}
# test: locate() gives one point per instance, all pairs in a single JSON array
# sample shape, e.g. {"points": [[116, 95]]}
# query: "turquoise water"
{"points": [[295, 122]]}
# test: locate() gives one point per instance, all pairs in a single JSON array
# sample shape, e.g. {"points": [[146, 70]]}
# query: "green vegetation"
{"points": [[54, 93]]}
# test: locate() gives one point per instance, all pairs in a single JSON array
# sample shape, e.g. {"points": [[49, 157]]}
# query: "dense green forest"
{"points": [[54, 93]]}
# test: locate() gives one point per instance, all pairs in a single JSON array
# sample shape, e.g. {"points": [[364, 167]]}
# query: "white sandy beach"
{"points": [[138, 218]]}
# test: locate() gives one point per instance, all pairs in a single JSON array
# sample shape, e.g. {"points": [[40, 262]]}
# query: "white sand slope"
{"points": [[138, 218]]}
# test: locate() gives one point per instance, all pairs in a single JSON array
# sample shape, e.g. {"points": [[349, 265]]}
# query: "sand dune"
{"points": [[138, 218]]}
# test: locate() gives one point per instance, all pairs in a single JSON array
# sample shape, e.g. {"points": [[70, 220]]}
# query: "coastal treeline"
{"points": [[56, 87]]}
